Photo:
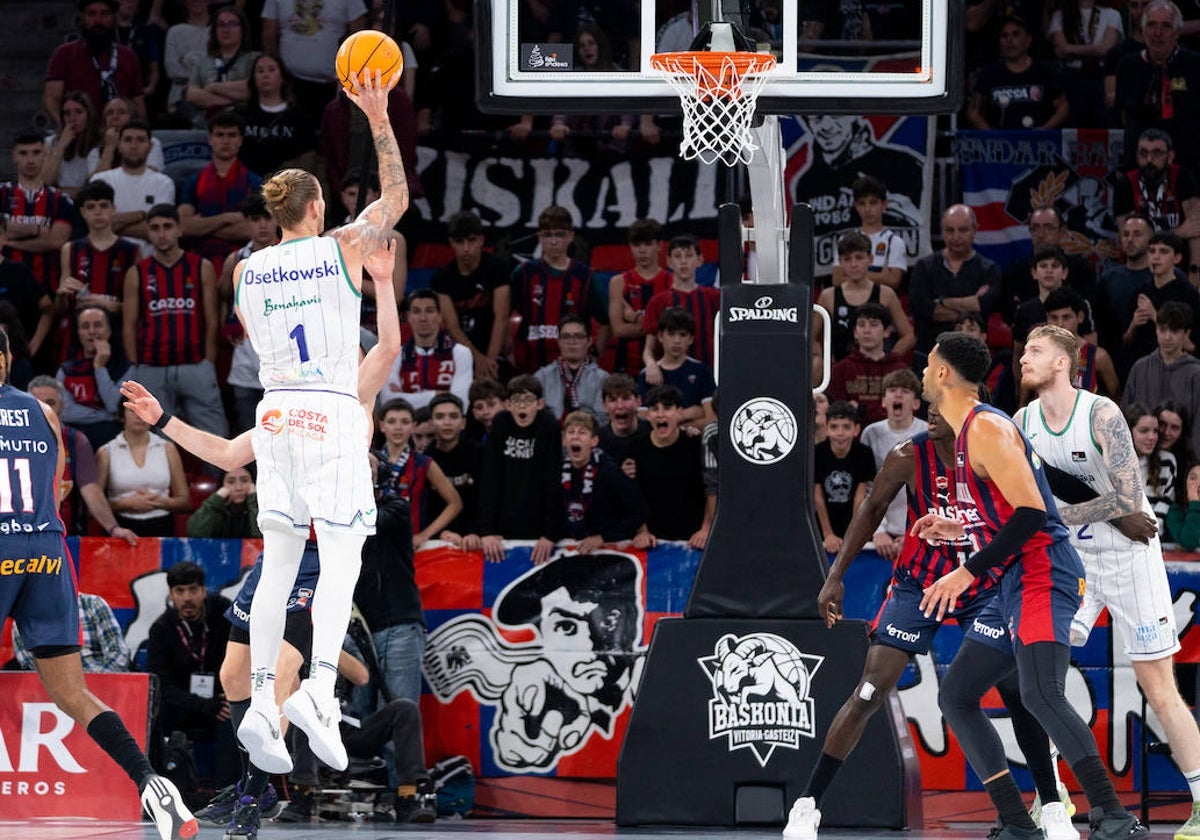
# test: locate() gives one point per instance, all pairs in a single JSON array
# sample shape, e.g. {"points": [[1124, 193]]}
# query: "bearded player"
{"points": [[300, 303]]}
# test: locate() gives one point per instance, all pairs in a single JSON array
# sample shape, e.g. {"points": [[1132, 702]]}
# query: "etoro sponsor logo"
{"points": [[986, 630], [760, 686], [903, 635]]}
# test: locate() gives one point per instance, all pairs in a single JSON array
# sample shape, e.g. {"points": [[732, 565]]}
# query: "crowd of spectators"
{"points": [[112, 270], [540, 400]]}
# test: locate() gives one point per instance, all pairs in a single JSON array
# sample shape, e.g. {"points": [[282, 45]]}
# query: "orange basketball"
{"points": [[368, 50]]}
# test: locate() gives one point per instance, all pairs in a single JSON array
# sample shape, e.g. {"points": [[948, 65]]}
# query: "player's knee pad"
{"points": [[1040, 695], [957, 697]]}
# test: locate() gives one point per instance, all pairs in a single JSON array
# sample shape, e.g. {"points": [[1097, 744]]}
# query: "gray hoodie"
{"points": [[1152, 381]]}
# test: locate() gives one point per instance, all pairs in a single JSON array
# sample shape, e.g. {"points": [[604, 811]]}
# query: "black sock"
{"points": [[1006, 796], [822, 776], [1097, 786], [255, 781], [237, 711], [107, 730]]}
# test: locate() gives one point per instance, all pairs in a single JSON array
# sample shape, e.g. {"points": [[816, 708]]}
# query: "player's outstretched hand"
{"points": [[942, 595], [144, 404], [933, 528], [371, 95], [381, 263], [829, 601]]}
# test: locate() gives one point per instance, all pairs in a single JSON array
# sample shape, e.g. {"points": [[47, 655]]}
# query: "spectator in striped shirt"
{"points": [[170, 325]]}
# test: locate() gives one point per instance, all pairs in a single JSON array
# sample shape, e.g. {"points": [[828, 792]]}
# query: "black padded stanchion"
{"points": [[738, 694]]}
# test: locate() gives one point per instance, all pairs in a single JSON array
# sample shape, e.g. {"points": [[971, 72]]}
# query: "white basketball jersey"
{"points": [[302, 315], [1075, 451]]}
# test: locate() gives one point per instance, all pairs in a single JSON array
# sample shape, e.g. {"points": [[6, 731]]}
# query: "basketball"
{"points": [[368, 50]]}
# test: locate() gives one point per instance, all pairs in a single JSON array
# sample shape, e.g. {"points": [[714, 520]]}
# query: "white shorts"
{"points": [[1132, 584], [311, 449]]}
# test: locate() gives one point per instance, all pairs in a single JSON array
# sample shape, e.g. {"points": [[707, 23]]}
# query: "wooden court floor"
{"points": [[493, 830]]}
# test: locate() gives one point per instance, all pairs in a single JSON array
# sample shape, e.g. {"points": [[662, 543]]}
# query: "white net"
{"points": [[718, 92]]}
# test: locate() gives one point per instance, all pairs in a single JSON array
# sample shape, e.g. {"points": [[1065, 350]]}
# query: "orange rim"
{"points": [[713, 62], [715, 80]]}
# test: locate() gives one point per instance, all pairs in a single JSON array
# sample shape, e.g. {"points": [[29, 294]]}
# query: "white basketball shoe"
{"points": [[803, 820]]}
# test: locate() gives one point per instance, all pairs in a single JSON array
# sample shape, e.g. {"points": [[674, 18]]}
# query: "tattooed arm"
{"points": [[1120, 461], [367, 233]]}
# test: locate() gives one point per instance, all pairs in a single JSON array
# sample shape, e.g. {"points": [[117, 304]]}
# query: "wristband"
{"points": [[115, 526], [163, 419]]}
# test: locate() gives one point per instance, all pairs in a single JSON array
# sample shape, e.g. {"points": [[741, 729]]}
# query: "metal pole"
{"points": [[767, 197]]}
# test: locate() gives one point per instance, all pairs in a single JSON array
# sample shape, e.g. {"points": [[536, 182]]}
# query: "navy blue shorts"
{"points": [[901, 624], [1040, 594], [38, 589], [302, 590]]}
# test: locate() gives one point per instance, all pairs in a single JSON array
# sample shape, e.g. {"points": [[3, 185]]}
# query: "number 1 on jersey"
{"points": [[298, 334], [24, 477]]}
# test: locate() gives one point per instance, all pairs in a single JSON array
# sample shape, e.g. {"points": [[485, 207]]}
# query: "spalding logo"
{"points": [[764, 310], [272, 421], [763, 430]]}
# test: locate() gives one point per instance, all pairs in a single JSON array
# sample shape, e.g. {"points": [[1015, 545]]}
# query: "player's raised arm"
{"points": [[226, 454], [375, 368], [366, 233]]}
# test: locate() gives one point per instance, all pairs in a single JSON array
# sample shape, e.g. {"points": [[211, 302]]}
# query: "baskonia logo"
{"points": [[763, 430], [760, 700]]}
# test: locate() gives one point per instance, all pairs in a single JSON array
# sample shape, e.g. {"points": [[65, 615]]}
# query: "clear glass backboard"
{"points": [[834, 56]]}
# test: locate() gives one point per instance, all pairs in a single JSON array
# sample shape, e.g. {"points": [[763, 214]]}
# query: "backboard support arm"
{"points": [[770, 233]]}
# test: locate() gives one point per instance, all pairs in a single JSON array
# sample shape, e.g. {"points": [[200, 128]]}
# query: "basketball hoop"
{"points": [[718, 91]]}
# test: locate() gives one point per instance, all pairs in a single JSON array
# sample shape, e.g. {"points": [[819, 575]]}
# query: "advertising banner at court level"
{"points": [[561, 646], [50, 767]]}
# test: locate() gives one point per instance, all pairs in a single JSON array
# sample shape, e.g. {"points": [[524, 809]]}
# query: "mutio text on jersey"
{"points": [[278, 274]]}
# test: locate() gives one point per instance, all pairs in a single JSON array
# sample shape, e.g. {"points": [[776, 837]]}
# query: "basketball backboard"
{"points": [[892, 56]]}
